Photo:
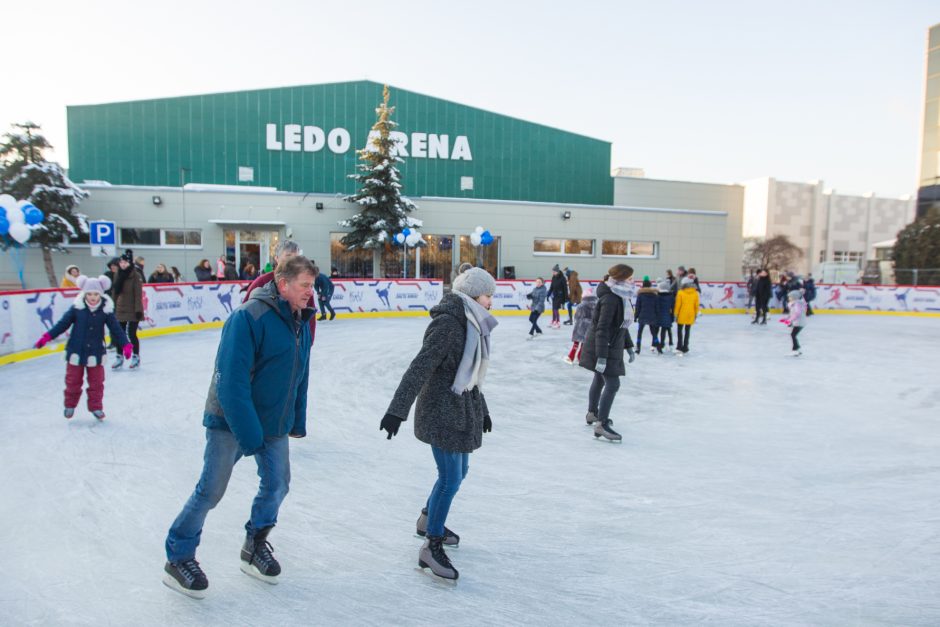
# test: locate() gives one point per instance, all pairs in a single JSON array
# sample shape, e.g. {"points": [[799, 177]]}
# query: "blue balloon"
{"points": [[4, 225], [406, 232], [32, 215], [3, 212], [486, 238]]}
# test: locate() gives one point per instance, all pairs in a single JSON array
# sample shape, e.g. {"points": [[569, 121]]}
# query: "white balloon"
{"points": [[20, 232], [399, 237], [15, 215], [479, 229], [7, 202], [412, 238], [474, 239]]}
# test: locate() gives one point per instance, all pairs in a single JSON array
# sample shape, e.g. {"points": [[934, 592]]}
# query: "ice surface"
{"points": [[751, 488]]}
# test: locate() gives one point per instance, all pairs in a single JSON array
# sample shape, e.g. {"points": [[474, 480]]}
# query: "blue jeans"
{"points": [[221, 454], [451, 470]]}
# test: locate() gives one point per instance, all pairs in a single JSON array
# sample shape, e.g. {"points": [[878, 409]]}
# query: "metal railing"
{"points": [[917, 276]]}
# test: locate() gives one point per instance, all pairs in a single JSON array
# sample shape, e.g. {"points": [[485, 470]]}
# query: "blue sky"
{"points": [[723, 91]]}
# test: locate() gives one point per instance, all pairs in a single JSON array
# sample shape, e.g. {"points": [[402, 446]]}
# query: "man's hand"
{"points": [[391, 424]]}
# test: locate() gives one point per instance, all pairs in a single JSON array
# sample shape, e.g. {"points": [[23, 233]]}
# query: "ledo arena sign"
{"points": [[298, 138]]}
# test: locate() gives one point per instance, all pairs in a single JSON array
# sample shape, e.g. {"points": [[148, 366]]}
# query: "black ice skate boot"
{"points": [[432, 556], [257, 559], [451, 539], [590, 417], [186, 577], [603, 428]]}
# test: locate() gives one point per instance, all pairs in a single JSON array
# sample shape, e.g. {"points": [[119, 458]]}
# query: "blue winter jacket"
{"points": [[667, 302], [259, 386], [86, 342], [647, 306], [324, 287]]}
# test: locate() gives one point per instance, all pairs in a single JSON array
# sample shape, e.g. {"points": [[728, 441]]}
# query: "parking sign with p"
{"points": [[102, 238]]}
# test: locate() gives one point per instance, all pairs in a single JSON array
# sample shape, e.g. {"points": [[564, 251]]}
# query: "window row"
{"points": [[585, 247], [149, 237]]}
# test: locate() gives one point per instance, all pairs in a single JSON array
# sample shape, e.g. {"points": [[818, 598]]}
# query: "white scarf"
{"points": [[476, 351], [627, 292]]}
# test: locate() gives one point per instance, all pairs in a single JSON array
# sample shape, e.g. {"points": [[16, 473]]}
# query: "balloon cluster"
{"points": [[480, 237], [16, 218], [408, 236]]}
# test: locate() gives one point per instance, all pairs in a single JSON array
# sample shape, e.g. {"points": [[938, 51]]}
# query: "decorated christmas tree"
{"points": [[384, 210]]}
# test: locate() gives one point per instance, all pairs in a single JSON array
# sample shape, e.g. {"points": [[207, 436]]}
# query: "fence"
{"points": [[917, 276]]}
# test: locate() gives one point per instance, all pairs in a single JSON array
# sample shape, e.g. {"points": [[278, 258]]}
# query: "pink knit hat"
{"points": [[88, 284]]}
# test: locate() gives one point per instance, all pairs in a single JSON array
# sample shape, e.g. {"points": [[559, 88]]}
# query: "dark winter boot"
{"points": [[590, 418], [451, 539], [321, 317], [432, 556], [257, 559], [604, 428], [186, 577], [69, 412]]}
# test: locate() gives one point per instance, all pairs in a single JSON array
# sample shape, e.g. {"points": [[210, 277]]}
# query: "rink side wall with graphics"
{"points": [[179, 307]]}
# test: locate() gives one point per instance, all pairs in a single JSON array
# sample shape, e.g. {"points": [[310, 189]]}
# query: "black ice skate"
{"points": [[602, 428], [590, 418], [432, 556], [257, 558], [186, 577], [451, 539]]}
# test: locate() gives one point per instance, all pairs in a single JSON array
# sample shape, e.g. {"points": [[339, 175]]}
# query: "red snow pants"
{"points": [[73, 385]]}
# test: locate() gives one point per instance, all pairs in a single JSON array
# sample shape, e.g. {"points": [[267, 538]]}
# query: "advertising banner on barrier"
{"points": [[26, 315]]}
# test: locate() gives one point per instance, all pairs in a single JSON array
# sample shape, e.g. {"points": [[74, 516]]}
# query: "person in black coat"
{"points": [[446, 378], [559, 293], [603, 348], [809, 293], [762, 290], [647, 313]]}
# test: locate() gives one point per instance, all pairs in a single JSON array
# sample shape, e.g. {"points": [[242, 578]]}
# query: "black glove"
{"points": [[390, 423], [487, 424]]}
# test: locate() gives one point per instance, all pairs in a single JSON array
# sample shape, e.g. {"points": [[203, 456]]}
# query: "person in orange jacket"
{"points": [[685, 310]]}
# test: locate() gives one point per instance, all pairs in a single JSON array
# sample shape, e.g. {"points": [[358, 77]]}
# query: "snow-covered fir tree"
{"points": [[26, 175], [384, 210]]}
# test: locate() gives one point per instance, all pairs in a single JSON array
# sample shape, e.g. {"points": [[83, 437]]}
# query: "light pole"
{"points": [[183, 172]]}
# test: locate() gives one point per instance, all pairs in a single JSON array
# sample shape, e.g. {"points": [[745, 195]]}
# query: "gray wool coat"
{"points": [[449, 421], [582, 318]]}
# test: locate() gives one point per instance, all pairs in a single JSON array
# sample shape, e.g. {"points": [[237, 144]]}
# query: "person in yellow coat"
{"points": [[685, 310]]}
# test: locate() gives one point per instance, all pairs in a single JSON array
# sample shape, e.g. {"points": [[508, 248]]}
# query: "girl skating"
{"points": [[582, 325], [85, 350], [537, 296], [796, 319]]}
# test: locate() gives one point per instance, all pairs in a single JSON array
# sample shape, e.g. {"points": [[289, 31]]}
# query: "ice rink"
{"points": [[751, 488]]}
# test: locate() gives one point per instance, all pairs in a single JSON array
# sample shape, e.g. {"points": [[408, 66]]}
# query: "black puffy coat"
{"points": [[607, 337], [762, 290], [449, 421], [647, 306], [559, 290]]}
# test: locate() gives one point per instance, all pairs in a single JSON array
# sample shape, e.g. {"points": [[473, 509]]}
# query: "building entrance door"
{"points": [[254, 247]]}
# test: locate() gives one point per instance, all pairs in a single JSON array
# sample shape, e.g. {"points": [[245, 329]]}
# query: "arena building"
{"points": [[197, 177]]}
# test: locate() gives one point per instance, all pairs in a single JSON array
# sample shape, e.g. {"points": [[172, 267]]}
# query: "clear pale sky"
{"points": [[720, 91]]}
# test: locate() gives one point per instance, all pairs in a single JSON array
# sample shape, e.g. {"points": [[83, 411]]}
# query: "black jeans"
{"points": [[793, 333], [761, 311], [325, 306], [639, 333], [130, 330], [682, 343], [569, 311], [601, 395], [662, 334], [534, 319]]}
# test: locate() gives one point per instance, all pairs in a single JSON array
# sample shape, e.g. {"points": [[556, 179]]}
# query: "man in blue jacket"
{"points": [[257, 398]]}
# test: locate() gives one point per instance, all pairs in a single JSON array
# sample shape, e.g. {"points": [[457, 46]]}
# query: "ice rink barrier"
{"points": [[169, 308]]}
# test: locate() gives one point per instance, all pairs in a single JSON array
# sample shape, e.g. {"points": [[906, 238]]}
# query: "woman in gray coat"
{"points": [[451, 415]]}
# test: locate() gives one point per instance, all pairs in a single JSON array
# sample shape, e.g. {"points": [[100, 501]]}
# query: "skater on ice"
{"points": [[686, 311], [537, 296], [762, 292], [129, 305], [796, 319], [604, 346], [285, 250], [257, 398], [647, 314], [666, 303], [85, 350], [446, 378], [582, 325], [574, 293], [559, 293]]}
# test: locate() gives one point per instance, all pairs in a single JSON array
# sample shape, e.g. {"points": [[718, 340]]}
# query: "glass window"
{"points": [[579, 247], [486, 257], [437, 257], [642, 249], [175, 237], [351, 264], [546, 246], [626, 248], [140, 237]]}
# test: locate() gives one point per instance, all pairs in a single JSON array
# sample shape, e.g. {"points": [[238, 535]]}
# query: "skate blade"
{"points": [[174, 585], [600, 438], [435, 577], [252, 571]]}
